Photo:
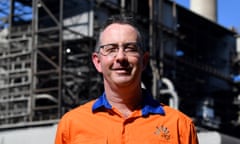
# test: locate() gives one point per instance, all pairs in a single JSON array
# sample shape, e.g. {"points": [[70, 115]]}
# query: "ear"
{"points": [[96, 61], [145, 59]]}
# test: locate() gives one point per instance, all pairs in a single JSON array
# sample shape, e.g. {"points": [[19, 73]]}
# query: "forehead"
{"points": [[118, 33]]}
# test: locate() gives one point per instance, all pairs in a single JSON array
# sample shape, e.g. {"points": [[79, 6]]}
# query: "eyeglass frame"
{"points": [[124, 46]]}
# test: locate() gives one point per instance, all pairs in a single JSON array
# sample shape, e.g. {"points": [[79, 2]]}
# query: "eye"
{"points": [[131, 48], [111, 48]]}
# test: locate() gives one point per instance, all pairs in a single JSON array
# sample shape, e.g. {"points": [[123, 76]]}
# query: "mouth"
{"points": [[122, 70]]}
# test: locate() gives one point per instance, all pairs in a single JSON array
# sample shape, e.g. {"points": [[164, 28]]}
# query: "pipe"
{"points": [[173, 100]]}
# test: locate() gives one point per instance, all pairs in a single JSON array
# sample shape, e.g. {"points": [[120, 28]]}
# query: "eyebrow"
{"points": [[108, 44], [118, 44]]}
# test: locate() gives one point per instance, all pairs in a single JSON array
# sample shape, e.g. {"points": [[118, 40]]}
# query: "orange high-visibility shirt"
{"points": [[97, 122]]}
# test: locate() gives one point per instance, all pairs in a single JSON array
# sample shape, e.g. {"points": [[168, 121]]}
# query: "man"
{"points": [[124, 113]]}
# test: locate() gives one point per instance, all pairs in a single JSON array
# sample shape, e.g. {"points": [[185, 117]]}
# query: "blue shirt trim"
{"points": [[101, 102], [150, 106]]}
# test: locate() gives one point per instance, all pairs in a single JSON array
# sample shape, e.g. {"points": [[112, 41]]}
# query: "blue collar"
{"points": [[150, 106]]}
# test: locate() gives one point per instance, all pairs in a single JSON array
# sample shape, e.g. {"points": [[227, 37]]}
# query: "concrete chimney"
{"points": [[205, 8], [238, 45]]}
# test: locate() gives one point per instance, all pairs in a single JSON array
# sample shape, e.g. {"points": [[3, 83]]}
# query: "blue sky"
{"points": [[228, 12]]}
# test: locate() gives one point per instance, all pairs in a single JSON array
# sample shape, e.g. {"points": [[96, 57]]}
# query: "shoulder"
{"points": [[176, 114], [72, 121], [79, 111], [175, 120]]}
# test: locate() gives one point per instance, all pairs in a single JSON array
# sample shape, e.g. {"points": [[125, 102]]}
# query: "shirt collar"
{"points": [[149, 104], [101, 102]]}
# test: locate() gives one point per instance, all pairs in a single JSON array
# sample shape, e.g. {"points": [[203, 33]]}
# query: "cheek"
{"points": [[139, 63], [106, 64]]}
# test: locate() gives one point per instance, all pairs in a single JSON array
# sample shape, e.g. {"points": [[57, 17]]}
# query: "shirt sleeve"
{"points": [[61, 134], [191, 137]]}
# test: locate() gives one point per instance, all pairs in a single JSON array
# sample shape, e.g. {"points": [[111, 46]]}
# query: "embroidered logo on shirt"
{"points": [[163, 132]]}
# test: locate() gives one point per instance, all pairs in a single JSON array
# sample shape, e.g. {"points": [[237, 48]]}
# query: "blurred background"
{"points": [[46, 68]]}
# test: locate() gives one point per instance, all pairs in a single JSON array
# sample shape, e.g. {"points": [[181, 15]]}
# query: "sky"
{"points": [[228, 12]]}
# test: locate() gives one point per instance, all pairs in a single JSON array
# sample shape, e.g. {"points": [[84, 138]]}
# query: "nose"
{"points": [[121, 57], [121, 54]]}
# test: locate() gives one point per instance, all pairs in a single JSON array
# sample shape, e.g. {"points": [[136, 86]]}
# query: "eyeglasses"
{"points": [[130, 49]]}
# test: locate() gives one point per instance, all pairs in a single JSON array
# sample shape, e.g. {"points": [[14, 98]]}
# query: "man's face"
{"points": [[124, 68]]}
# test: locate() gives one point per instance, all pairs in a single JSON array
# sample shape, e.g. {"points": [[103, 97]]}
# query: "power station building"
{"points": [[46, 69]]}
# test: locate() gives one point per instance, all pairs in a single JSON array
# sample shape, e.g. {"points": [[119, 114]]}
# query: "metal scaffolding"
{"points": [[15, 65], [45, 56]]}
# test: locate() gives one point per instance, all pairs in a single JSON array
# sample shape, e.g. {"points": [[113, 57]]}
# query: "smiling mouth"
{"points": [[122, 70]]}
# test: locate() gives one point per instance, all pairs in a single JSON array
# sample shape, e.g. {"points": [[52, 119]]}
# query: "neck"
{"points": [[125, 100]]}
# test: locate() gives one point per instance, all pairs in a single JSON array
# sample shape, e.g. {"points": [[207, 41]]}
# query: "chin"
{"points": [[124, 82]]}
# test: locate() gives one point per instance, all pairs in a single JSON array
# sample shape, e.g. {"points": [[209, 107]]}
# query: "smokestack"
{"points": [[205, 8]]}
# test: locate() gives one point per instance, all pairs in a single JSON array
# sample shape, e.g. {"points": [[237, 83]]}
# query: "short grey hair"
{"points": [[123, 19]]}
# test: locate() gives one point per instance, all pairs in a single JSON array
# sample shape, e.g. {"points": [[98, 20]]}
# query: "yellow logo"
{"points": [[163, 132]]}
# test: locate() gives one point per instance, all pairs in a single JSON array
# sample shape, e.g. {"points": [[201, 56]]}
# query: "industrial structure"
{"points": [[46, 69]]}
